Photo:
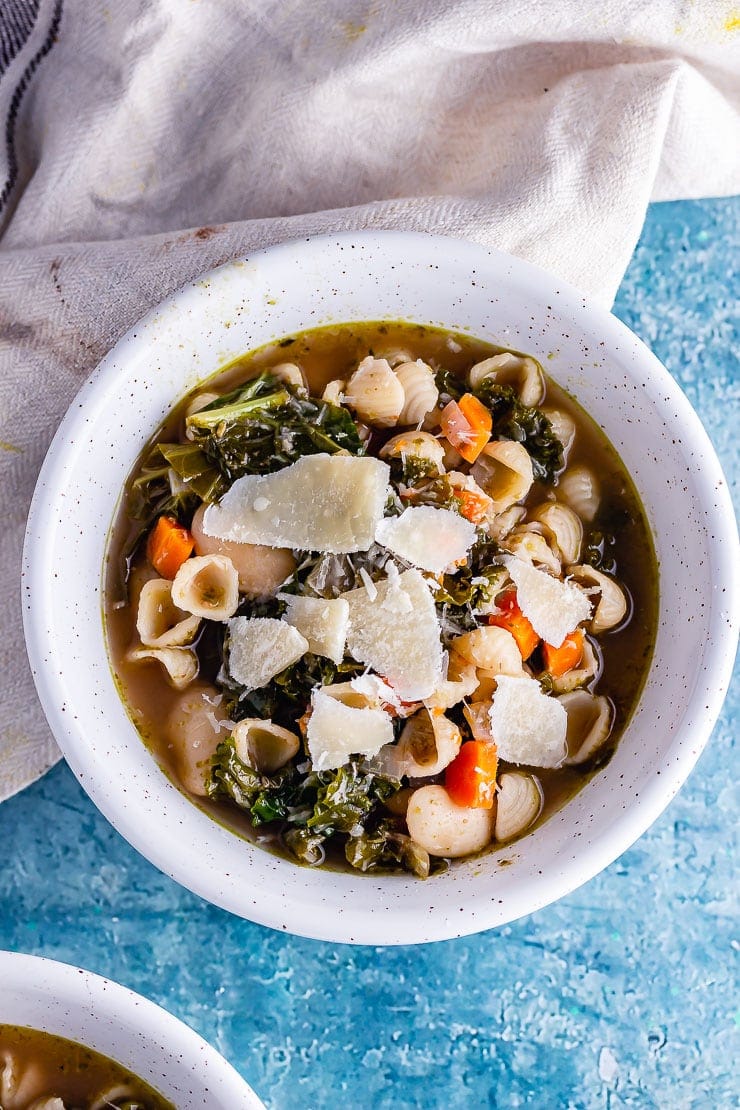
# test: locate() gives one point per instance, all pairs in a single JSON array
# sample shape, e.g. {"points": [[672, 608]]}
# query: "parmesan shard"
{"points": [[397, 633], [552, 607], [321, 503], [430, 538], [260, 648], [323, 621], [336, 731], [527, 726]]}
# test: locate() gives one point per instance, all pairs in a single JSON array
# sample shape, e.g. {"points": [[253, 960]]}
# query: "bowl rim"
{"points": [[658, 791], [89, 995]]}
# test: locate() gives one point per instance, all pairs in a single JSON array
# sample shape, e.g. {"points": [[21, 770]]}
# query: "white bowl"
{"points": [[372, 276], [154, 1045]]}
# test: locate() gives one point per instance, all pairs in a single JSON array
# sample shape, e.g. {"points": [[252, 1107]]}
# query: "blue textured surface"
{"points": [[621, 995]]}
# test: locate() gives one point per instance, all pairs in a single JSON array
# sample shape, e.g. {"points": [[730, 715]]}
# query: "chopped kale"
{"points": [[267, 425], [386, 846]]}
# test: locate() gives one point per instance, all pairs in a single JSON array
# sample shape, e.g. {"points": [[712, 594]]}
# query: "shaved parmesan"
{"points": [[320, 503], [527, 725], [377, 692], [431, 538], [337, 731], [552, 607], [260, 648], [397, 633], [322, 621]]}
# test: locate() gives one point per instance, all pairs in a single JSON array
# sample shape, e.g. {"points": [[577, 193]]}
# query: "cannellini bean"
{"points": [[195, 727], [261, 570], [445, 829]]}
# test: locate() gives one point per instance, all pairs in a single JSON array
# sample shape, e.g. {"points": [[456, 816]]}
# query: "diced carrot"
{"points": [[168, 546], [473, 506], [560, 660], [471, 777], [513, 620], [467, 426]]}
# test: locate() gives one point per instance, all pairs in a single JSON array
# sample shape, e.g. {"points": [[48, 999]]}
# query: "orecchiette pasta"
{"points": [[564, 427], [589, 723], [415, 445], [563, 526], [491, 649], [527, 542], [518, 804], [180, 664], [291, 374], [261, 570], [264, 746], [611, 607], [446, 829]]}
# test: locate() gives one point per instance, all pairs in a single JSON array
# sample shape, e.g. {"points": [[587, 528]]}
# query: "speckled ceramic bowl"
{"points": [[110, 1019], [359, 277]]}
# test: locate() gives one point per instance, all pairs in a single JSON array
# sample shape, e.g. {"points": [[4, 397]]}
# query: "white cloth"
{"points": [[540, 129]]}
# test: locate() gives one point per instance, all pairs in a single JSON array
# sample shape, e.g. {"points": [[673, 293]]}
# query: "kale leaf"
{"points": [[267, 425]]}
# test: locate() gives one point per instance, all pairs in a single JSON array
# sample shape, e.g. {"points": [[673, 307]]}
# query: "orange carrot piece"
{"points": [[560, 660], [514, 621], [168, 546], [473, 506], [470, 779], [467, 426]]}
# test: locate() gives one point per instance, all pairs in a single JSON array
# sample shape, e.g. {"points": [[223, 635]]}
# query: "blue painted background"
{"points": [[618, 996]]}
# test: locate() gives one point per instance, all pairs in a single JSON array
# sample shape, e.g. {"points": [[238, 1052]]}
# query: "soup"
{"points": [[381, 594], [39, 1071]]}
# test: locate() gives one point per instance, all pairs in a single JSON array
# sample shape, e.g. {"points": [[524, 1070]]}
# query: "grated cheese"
{"points": [[336, 731], [260, 648], [527, 725], [552, 607], [430, 538], [320, 503], [323, 621], [397, 633]]}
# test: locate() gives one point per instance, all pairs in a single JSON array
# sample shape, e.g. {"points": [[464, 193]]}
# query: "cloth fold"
{"points": [[541, 132]]}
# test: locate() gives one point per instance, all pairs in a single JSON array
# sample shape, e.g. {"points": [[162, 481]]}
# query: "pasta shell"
{"points": [[528, 543], [564, 427], [291, 374], [452, 458], [428, 743], [460, 683], [263, 746], [261, 570], [491, 649], [578, 487], [518, 804], [159, 622], [181, 664], [395, 356], [522, 373], [207, 586], [501, 524], [419, 390], [563, 527], [504, 471], [589, 723], [347, 695], [478, 716], [111, 1096], [611, 606], [416, 445], [445, 829], [375, 393], [587, 670], [334, 391]]}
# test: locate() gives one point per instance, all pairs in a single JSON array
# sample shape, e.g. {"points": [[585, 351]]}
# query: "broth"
{"points": [[328, 353], [34, 1065]]}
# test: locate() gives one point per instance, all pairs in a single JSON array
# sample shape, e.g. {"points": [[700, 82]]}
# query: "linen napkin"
{"points": [[538, 129]]}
